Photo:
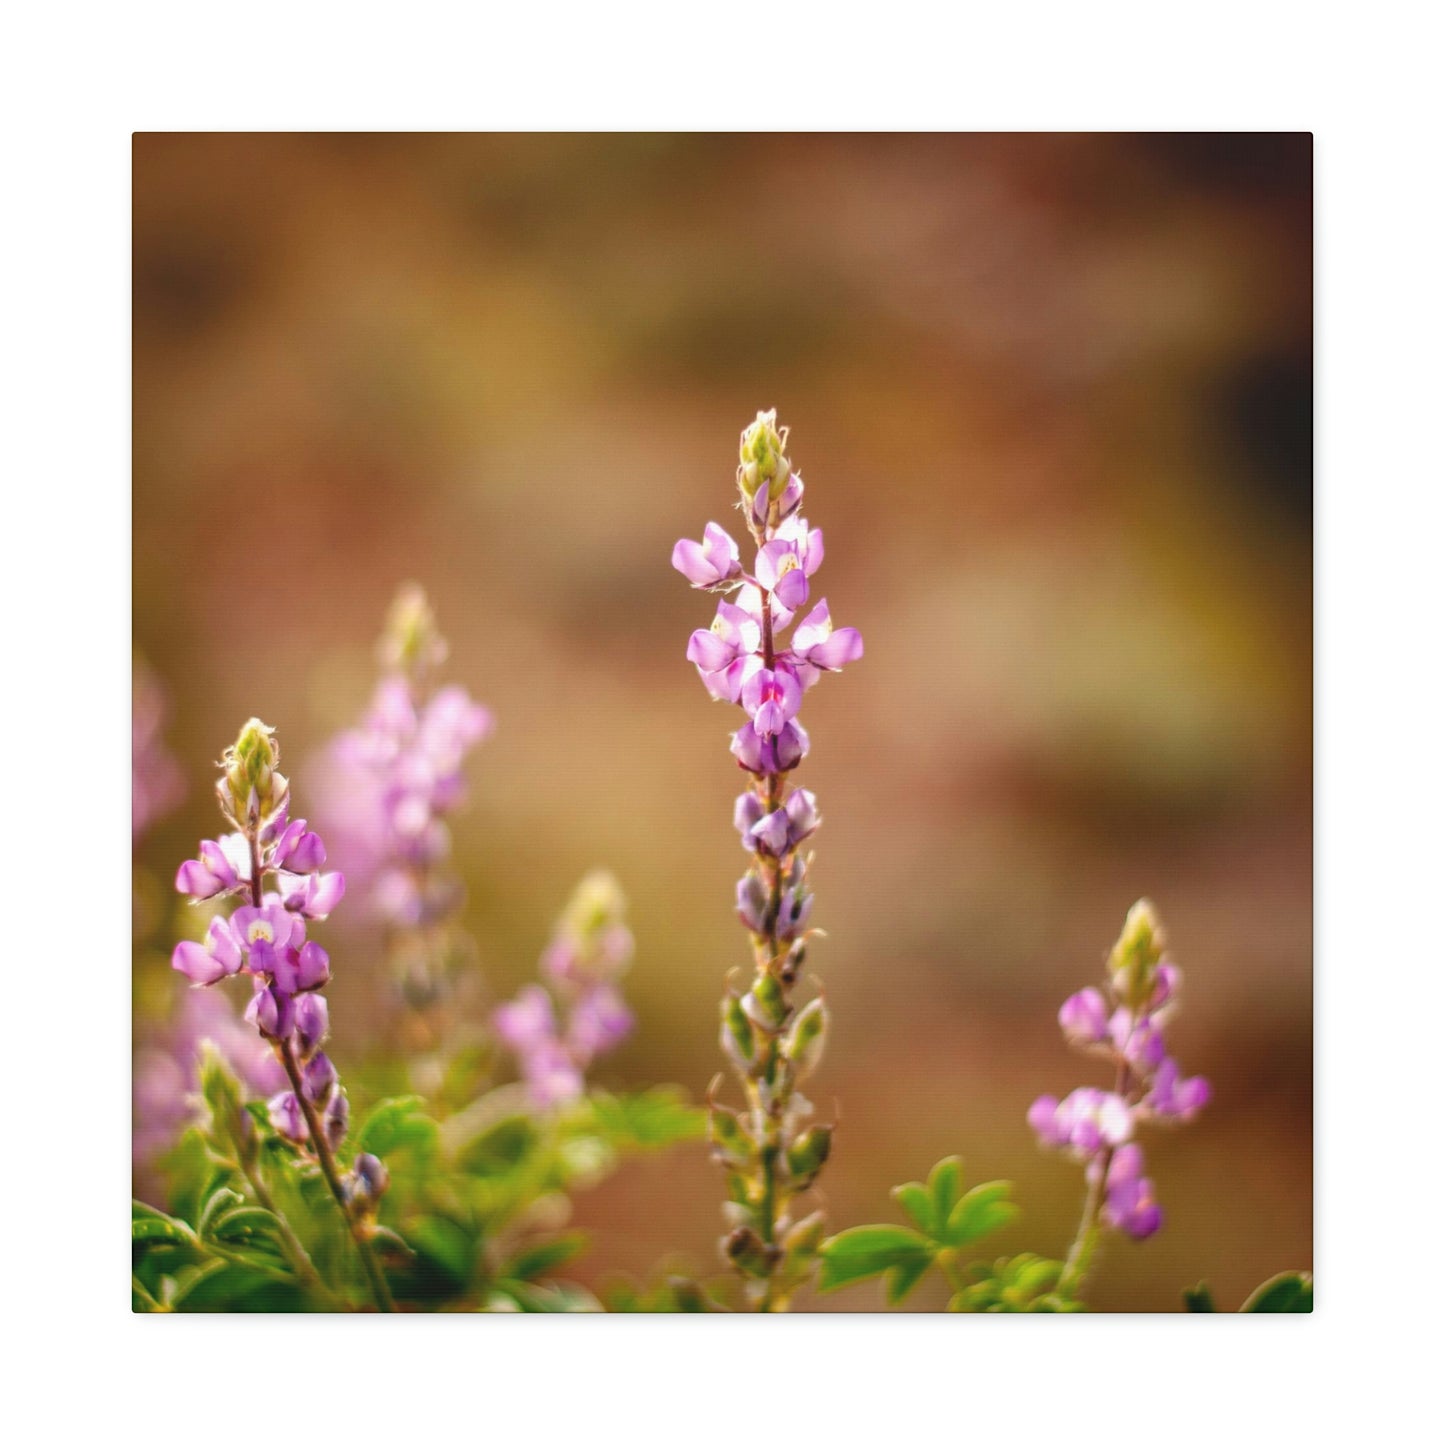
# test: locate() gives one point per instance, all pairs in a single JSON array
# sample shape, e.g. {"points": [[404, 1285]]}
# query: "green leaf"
{"points": [[1021, 1285], [150, 1227], [443, 1245], [869, 1250], [551, 1299], [902, 1277], [1199, 1300], [247, 1225], [220, 1200], [500, 1149], [547, 1255], [1286, 1294], [918, 1202], [652, 1119], [983, 1209], [944, 1183], [394, 1124]]}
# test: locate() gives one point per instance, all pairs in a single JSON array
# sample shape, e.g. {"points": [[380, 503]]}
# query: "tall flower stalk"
{"points": [[264, 936], [385, 790], [1123, 1024], [771, 1150]]}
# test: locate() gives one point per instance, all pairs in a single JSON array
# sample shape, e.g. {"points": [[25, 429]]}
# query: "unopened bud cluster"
{"points": [[1123, 1023], [772, 1150]]}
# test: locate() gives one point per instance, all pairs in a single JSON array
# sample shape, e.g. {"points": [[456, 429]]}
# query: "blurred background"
{"points": [[1052, 398]]}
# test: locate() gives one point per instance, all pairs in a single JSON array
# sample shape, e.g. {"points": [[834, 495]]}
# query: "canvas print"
{"points": [[564, 882]]}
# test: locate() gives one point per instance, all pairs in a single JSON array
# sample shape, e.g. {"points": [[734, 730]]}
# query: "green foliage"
{"points": [[653, 1119], [1025, 1284], [675, 1294], [1286, 1294], [397, 1124], [947, 1219], [474, 1217], [873, 1249], [1291, 1293]]}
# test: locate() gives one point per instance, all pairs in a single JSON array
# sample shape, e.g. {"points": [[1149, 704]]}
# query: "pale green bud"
{"points": [[804, 1044], [728, 1137], [252, 787], [806, 1237], [765, 1004], [761, 457], [737, 1038], [411, 641], [1134, 959], [809, 1152], [597, 903]]}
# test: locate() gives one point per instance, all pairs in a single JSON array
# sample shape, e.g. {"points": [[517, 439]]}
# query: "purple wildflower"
{"points": [[270, 867], [1125, 1022], [386, 789], [746, 659]]}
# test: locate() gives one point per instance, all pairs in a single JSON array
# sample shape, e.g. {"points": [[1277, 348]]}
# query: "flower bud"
{"points": [[747, 812], [764, 1003], [317, 1077], [737, 1038], [311, 1022], [752, 900], [252, 788], [366, 1183], [1084, 1017], [313, 967], [336, 1117], [725, 1131], [596, 904], [745, 1250], [809, 1152], [806, 1237], [761, 458], [803, 819], [286, 1117], [272, 1011], [1134, 961], [804, 1044], [411, 641]]}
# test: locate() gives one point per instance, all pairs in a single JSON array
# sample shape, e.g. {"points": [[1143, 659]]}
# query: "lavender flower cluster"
{"points": [[389, 784], [589, 951], [264, 937], [1123, 1023], [770, 1152]]}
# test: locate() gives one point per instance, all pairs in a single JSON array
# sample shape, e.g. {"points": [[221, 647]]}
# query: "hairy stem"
{"points": [[295, 1251], [375, 1277], [1081, 1252], [322, 1149]]}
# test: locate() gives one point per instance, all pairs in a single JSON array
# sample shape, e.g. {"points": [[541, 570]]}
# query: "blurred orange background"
{"points": [[1052, 396]]}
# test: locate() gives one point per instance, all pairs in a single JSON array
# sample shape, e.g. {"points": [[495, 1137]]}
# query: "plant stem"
{"points": [[300, 1261], [287, 1055], [322, 1148], [1081, 1252]]}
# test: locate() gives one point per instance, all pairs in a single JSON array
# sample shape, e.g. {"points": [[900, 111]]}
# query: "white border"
{"points": [[82, 78]]}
